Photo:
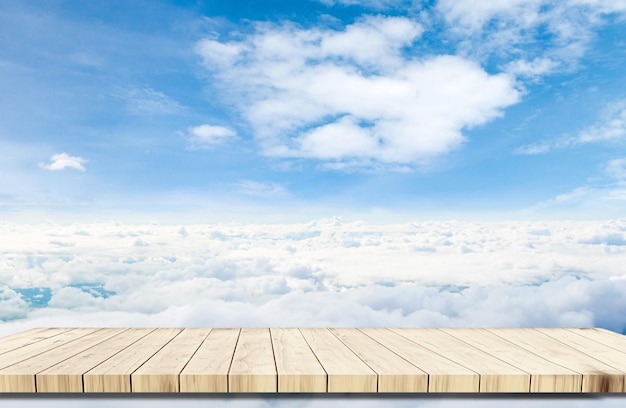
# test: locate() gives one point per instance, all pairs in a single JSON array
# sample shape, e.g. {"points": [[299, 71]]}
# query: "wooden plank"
{"points": [[495, 374], [67, 376], [27, 338], [597, 376], [444, 374], [395, 374], [253, 368], [207, 371], [313, 360], [21, 339], [8, 383], [346, 371], [546, 376], [601, 352], [606, 337], [160, 372], [297, 367], [20, 377], [113, 375]]}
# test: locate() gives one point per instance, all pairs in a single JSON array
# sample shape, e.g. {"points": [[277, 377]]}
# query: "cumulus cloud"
{"points": [[206, 137], [64, 161], [323, 273], [353, 96], [611, 127]]}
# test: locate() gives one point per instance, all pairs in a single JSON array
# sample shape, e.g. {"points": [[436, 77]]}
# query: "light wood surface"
{"points": [[546, 376], [597, 376], [67, 376], [21, 376], [395, 374], [298, 368], [21, 339], [444, 374], [495, 374], [42, 346], [253, 368], [346, 371], [160, 372], [207, 371], [312, 360], [608, 338], [113, 375]]}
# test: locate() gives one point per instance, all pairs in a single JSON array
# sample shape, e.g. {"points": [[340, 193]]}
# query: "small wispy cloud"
{"points": [[64, 161], [255, 188], [611, 127], [616, 169], [608, 191], [147, 101], [206, 137], [375, 4]]}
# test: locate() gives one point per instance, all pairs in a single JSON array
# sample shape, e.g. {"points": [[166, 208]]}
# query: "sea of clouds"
{"points": [[324, 273]]}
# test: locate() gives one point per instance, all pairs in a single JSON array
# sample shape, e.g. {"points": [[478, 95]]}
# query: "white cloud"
{"points": [[375, 4], [512, 28], [205, 137], [353, 97], [64, 161], [323, 273], [612, 127], [535, 68]]}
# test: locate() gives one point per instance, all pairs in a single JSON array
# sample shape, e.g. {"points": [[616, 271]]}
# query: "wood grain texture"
{"points": [[495, 374], [298, 368], [160, 372], [113, 375], [346, 371], [598, 351], [546, 376], [346, 360], [21, 339], [253, 368], [395, 374], [444, 374], [602, 336], [597, 376], [42, 346], [67, 376], [20, 377], [207, 371]]}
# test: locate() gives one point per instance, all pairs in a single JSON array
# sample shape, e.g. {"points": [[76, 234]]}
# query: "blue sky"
{"points": [[298, 109], [297, 163]]}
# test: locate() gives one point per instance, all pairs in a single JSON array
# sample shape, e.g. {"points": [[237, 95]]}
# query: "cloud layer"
{"points": [[324, 273]]}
